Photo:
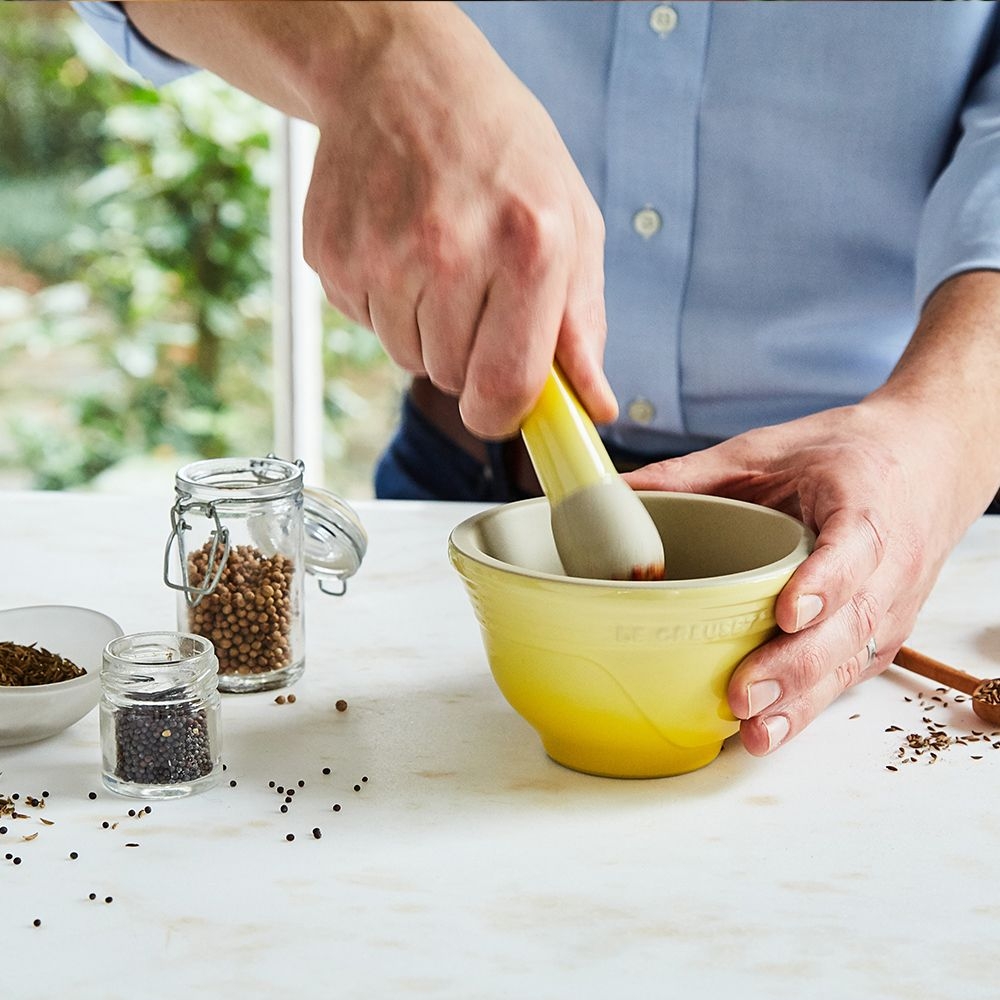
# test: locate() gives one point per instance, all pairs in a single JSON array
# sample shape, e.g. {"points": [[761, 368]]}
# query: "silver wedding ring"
{"points": [[872, 650]]}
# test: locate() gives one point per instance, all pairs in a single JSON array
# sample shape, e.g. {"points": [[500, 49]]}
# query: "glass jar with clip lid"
{"points": [[244, 531]]}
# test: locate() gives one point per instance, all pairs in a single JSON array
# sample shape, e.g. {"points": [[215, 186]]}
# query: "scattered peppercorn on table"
{"points": [[396, 829]]}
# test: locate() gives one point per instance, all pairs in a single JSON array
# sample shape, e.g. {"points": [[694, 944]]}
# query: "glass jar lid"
{"points": [[335, 539]]}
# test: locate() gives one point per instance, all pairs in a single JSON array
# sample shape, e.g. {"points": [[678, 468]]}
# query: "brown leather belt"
{"points": [[441, 410]]}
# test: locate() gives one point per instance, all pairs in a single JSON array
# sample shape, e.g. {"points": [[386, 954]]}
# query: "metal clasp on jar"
{"points": [[220, 536]]}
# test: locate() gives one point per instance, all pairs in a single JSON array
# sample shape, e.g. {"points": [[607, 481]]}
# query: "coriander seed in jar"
{"points": [[244, 532]]}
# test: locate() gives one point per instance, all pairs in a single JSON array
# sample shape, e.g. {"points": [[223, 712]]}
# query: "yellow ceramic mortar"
{"points": [[619, 678]]}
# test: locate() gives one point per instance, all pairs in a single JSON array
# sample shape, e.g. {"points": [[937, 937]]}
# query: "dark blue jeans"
{"points": [[421, 463]]}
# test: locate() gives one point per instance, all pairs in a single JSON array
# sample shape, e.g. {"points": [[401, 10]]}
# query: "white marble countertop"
{"points": [[470, 865]]}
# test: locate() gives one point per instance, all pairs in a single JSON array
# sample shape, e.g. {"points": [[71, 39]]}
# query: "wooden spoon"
{"points": [[600, 527], [985, 694]]}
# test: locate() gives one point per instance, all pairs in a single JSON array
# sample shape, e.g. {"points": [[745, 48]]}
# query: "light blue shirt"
{"points": [[783, 185]]}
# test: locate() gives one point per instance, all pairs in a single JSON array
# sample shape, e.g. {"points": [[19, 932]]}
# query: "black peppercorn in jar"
{"points": [[160, 706], [244, 531]]}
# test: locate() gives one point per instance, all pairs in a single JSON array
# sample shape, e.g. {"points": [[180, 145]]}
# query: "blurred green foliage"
{"points": [[51, 105], [158, 309]]}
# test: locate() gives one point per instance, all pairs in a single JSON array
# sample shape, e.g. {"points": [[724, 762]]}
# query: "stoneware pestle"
{"points": [[985, 693], [600, 527]]}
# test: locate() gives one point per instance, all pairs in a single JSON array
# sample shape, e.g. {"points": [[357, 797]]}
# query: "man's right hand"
{"points": [[447, 215], [444, 212]]}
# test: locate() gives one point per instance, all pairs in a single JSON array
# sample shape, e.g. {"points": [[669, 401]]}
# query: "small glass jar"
{"points": [[244, 532], [160, 730]]}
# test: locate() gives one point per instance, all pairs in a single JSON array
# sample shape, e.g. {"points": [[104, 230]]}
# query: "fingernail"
{"points": [[777, 729], [807, 607], [761, 695], [609, 397]]}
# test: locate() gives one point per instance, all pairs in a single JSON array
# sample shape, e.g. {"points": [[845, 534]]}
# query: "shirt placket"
{"points": [[654, 88]]}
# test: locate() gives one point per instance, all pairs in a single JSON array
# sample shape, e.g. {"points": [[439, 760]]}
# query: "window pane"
{"points": [[135, 287]]}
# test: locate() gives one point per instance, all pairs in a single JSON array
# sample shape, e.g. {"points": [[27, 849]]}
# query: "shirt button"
{"points": [[647, 222], [663, 19], [641, 411]]}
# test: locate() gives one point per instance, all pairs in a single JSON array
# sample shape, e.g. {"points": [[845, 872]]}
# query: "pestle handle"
{"points": [[600, 527], [935, 670], [563, 443]]}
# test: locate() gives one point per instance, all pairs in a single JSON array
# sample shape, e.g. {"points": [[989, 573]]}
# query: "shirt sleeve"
{"points": [[111, 22], [960, 228]]}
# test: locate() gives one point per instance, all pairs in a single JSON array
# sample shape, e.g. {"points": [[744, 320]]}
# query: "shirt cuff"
{"points": [[111, 22]]}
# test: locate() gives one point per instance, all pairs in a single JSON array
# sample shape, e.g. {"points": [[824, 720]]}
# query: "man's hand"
{"points": [[889, 486], [444, 212]]}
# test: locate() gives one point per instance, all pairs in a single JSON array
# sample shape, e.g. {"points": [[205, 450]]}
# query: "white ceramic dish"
{"points": [[28, 714]]}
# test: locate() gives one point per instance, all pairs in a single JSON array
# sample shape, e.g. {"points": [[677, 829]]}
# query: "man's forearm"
{"points": [[444, 211], [951, 367], [285, 53]]}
